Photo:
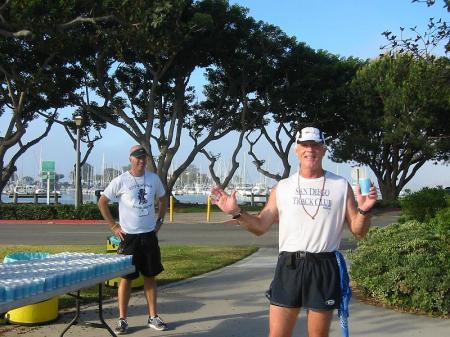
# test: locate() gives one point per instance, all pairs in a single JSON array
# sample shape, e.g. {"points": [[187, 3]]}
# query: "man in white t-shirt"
{"points": [[136, 192], [311, 208]]}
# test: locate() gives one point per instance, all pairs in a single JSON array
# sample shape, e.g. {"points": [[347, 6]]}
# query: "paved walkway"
{"points": [[230, 302]]}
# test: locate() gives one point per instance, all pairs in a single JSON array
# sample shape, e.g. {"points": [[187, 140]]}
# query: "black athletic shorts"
{"points": [[146, 254], [309, 280]]}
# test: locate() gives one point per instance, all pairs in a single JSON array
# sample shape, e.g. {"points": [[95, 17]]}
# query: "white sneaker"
{"points": [[122, 327], [157, 323]]}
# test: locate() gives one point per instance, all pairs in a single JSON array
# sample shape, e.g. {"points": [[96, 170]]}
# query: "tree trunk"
{"points": [[389, 192]]}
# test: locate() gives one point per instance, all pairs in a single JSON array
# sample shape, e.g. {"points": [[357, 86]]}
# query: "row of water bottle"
{"points": [[22, 279]]}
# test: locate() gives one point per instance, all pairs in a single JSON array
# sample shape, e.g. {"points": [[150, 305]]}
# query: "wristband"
{"points": [[362, 212], [237, 215], [160, 221]]}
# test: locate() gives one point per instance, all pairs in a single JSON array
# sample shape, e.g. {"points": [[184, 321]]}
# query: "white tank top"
{"points": [[297, 230]]}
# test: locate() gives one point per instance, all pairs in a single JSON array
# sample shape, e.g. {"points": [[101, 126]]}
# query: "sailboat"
{"points": [[24, 189]]}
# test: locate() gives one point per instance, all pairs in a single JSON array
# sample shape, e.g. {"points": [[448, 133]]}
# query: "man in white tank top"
{"points": [[311, 208]]}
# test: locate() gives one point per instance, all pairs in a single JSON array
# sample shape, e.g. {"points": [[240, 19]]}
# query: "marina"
{"points": [[66, 198], [190, 196]]}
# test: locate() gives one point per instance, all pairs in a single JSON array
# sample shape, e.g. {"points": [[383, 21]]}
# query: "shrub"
{"points": [[441, 222], [25, 211], [406, 265], [7, 212], [423, 205]]}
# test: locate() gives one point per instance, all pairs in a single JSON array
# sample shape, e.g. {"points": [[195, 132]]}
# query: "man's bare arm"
{"points": [[106, 213], [358, 223], [162, 209]]}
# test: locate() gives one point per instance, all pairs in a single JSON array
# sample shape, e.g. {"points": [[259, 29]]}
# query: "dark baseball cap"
{"points": [[139, 152]]}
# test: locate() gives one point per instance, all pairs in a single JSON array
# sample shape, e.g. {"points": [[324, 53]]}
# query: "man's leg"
{"points": [[150, 295], [123, 294], [282, 321], [319, 323]]}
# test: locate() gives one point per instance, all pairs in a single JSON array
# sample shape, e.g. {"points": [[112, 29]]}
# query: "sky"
{"points": [[343, 27]]}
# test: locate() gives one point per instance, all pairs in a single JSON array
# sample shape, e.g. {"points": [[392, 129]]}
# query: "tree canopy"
{"points": [[129, 64], [400, 107], [39, 73]]}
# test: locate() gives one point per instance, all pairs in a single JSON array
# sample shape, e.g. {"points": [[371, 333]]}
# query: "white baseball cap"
{"points": [[310, 134]]}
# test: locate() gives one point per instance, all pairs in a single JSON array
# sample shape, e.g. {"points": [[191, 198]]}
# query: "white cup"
{"points": [[364, 185], [360, 177]]}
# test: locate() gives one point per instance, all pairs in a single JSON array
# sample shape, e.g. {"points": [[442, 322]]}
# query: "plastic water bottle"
{"points": [[2, 292], [9, 290]]}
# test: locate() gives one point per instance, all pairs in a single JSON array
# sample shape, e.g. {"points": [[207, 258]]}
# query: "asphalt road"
{"points": [[187, 229], [194, 233]]}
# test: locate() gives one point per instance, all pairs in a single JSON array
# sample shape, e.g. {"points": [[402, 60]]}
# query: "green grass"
{"points": [[180, 262]]}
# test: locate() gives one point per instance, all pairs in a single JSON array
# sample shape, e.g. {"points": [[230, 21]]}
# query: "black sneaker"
{"points": [[157, 323], [122, 327]]}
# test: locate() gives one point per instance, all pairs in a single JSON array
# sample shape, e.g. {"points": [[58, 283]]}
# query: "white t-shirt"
{"points": [[297, 230], [136, 197]]}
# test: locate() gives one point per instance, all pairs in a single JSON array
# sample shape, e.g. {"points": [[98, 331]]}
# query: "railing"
{"points": [[253, 196], [35, 196]]}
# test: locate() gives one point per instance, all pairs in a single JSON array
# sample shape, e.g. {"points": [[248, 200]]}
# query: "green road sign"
{"points": [[48, 166]]}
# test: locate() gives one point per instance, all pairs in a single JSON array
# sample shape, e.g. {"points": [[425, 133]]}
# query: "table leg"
{"points": [[77, 314], [100, 310], [100, 313]]}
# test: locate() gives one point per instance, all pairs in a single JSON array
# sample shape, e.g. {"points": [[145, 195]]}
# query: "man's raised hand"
{"points": [[366, 202], [226, 202]]}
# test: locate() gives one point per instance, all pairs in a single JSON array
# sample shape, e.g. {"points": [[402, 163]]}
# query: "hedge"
{"points": [[25, 211], [424, 204], [406, 265]]}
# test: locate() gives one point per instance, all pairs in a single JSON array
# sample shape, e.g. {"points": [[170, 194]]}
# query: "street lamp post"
{"points": [[78, 121]]}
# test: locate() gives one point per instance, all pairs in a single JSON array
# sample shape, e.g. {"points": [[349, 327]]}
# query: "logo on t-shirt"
{"points": [[141, 196], [314, 197]]}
